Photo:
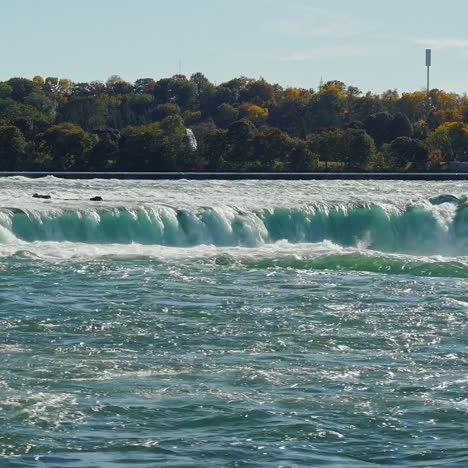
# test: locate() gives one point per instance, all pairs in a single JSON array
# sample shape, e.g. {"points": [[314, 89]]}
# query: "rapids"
{"points": [[233, 323], [390, 216]]}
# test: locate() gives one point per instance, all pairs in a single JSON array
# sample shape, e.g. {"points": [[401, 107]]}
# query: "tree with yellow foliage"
{"points": [[451, 138], [256, 114], [38, 81]]}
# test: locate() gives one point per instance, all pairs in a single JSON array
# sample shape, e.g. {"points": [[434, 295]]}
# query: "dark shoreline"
{"points": [[241, 175]]}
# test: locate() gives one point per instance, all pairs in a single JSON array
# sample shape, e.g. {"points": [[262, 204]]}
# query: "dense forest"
{"points": [[243, 124]]}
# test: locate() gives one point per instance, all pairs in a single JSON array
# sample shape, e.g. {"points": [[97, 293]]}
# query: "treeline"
{"points": [[241, 125]]}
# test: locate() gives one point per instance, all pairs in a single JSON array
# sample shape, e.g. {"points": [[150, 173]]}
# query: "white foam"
{"points": [[82, 251], [246, 194]]}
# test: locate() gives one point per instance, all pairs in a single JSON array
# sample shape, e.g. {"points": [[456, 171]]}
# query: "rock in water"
{"points": [[98, 198], [45, 197], [444, 199]]}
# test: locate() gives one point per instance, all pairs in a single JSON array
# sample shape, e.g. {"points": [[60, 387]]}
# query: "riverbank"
{"points": [[243, 175]]}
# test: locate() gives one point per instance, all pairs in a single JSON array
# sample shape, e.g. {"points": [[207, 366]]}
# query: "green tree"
{"points": [[328, 145], [12, 148], [384, 127], [21, 87], [81, 90], [27, 118], [93, 113], [400, 126], [51, 84], [68, 146], [301, 158], [214, 148], [220, 95], [43, 104], [176, 91], [258, 92], [87, 112], [291, 116], [160, 146], [135, 109], [271, 149], [389, 100], [326, 107], [378, 127], [105, 153], [407, 153], [144, 86], [5, 90], [116, 85], [225, 115], [162, 111], [191, 117], [238, 153], [201, 82], [360, 108], [203, 132], [205, 92], [358, 148], [276, 150]]}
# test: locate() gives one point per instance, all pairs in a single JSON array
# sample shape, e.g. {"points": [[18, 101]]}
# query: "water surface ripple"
{"points": [[276, 353]]}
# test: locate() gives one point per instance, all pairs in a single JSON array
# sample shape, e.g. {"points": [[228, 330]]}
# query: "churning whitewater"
{"points": [[389, 217], [233, 323]]}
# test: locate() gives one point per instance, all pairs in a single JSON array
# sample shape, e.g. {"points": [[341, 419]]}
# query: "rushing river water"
{"points": [[240, 323]]}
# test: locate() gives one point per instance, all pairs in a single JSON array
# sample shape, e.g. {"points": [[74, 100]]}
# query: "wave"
{"points": [[428, 230], [359, 262], [324, 256]]}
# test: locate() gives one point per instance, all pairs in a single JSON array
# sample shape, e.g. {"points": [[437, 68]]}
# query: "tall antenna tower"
{"points": [[428, 65]]}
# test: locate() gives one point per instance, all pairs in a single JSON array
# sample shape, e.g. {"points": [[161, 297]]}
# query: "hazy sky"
{"points": [[372, 44]]}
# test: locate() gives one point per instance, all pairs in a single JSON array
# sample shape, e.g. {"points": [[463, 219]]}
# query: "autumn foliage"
{"points": [[243, 124]]}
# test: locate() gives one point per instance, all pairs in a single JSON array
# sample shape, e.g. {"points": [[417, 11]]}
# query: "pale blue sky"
{"points": [[372, 44]]}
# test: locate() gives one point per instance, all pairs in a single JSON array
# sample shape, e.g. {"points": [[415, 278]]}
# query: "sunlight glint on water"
{"points": [[192, 323]]}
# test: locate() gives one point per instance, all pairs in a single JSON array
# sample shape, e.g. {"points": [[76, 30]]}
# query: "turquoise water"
{"points": [[233, 324]]}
